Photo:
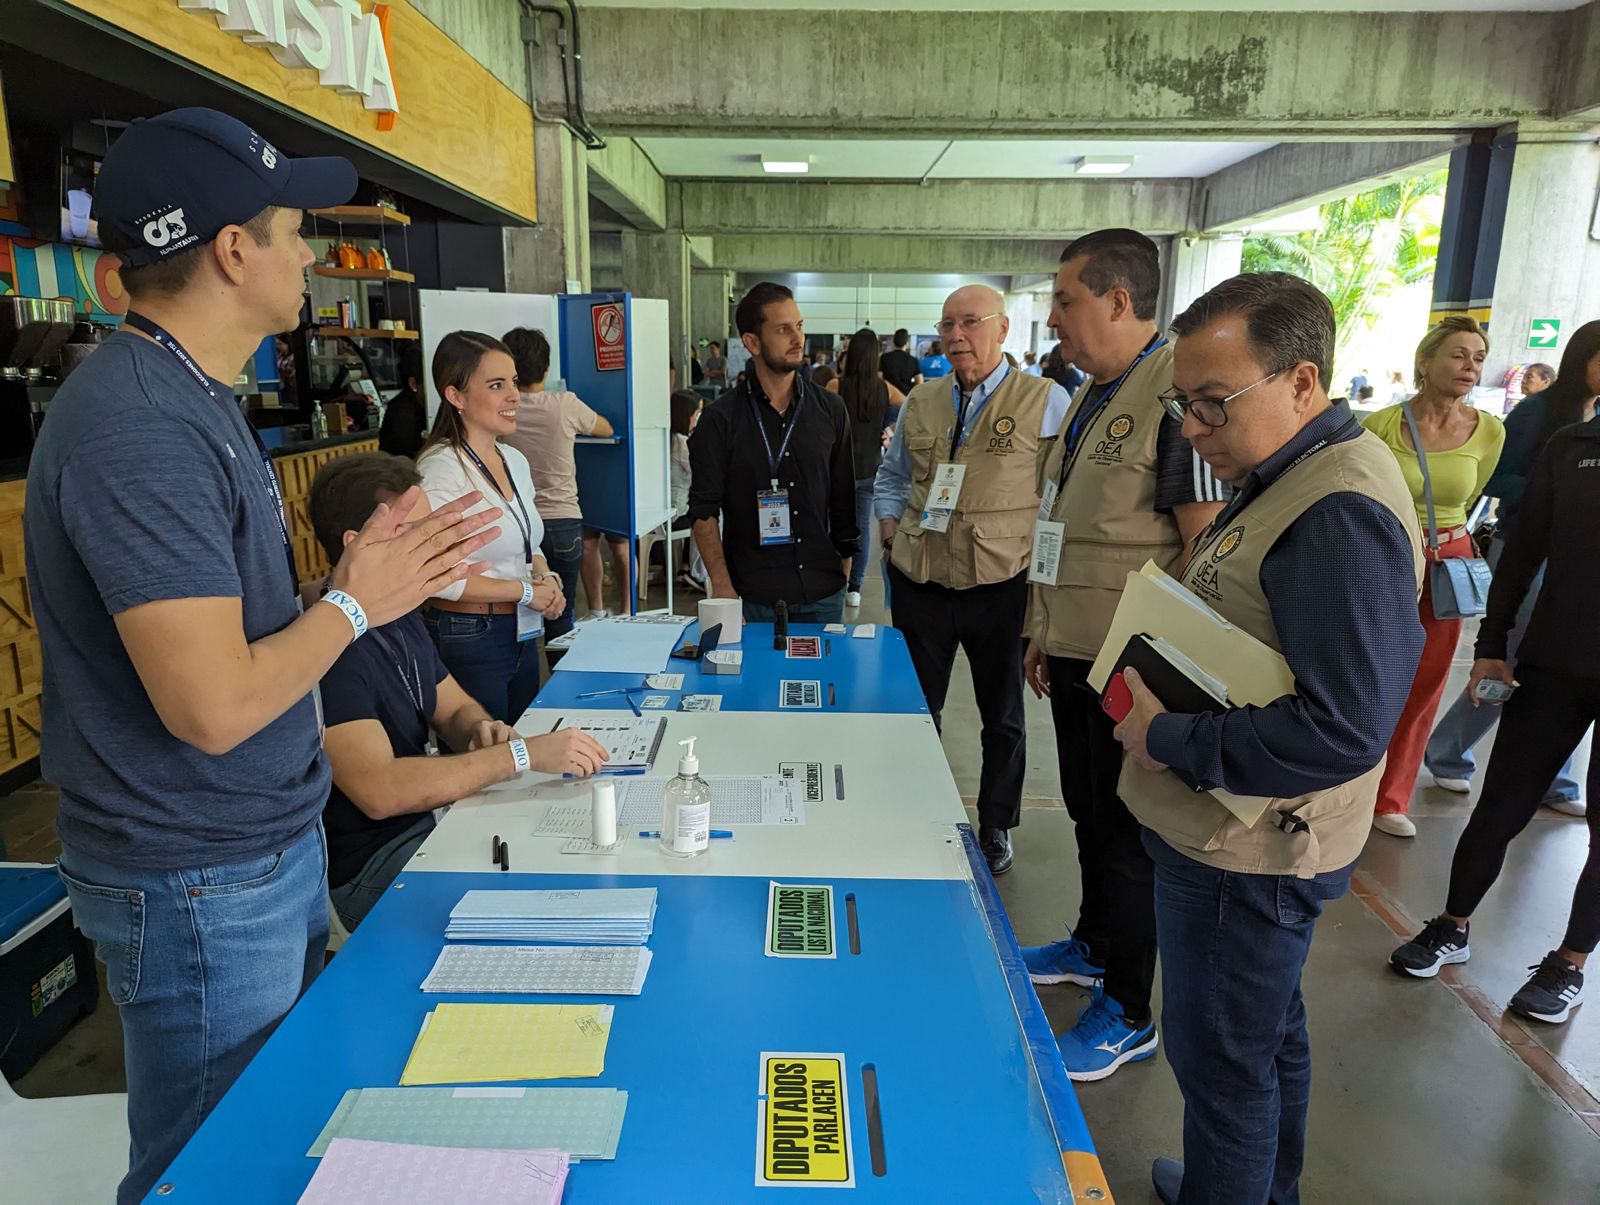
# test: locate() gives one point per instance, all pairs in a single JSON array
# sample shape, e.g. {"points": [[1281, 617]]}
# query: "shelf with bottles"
{"points": [[367, 273]]}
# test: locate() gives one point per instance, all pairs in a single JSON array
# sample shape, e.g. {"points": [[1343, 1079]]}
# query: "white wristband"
{"points": [[519, 754], [351, 609], [527, 594]]}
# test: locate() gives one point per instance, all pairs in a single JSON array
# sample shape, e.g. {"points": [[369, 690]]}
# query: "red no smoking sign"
{"points": [[610, 343]]}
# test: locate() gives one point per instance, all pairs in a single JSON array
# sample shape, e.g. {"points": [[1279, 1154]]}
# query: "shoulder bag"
{"points": [[1459, 585]]}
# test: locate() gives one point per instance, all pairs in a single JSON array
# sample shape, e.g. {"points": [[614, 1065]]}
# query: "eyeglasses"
{"points": [[948, 326], [1209, 410]]}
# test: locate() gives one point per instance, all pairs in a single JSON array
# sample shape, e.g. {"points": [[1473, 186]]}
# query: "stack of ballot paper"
{"points": [[623, 916], [533, 970], [584, 1122], [494, 1043], [359, 1172]]}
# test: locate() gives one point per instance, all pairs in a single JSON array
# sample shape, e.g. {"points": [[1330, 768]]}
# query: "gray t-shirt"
{"points": [[142, 488]]}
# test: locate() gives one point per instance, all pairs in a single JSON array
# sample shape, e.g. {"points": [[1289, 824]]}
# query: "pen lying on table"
{"points": [[716, 833]]}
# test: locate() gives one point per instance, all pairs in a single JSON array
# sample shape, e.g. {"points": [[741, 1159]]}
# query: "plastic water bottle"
{"points": [[686, 809]]}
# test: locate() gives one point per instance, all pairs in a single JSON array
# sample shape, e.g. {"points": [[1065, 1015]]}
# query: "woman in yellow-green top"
{"points": [[1463, 446]]}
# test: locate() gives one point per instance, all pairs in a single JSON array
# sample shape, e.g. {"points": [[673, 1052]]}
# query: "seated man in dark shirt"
{"points": [[379, 701]]}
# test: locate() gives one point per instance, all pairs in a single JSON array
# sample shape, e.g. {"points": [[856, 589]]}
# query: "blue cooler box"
{"points": [[47, 975]]}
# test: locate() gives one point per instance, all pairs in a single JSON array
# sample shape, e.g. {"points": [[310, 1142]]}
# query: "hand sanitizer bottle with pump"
{"points": [[686, 809]]}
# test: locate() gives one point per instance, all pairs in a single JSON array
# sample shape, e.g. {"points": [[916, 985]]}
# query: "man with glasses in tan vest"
{"points": [[1317, 555], [955, 500], [1119, 487]]}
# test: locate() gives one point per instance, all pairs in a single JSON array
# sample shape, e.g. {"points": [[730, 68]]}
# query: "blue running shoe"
{"points": [[1062, 962], [1103, 1040]]}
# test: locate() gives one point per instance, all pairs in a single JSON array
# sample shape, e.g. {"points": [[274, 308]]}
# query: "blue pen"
{"points": [[613, 773], [620, 690], [716, 833]]}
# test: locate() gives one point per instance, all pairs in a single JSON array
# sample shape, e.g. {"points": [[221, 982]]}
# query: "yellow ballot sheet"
{"points": [[492, 1043], [1157, 605]]}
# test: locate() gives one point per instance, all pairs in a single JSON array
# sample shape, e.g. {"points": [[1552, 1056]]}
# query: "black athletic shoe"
{"points": [[1439, 944], [1554, 991]]}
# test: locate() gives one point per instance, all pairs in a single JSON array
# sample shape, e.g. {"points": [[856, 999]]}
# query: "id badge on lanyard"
{"points": [[774, 519], [530, 623], [943, 496], [1044, 563]]}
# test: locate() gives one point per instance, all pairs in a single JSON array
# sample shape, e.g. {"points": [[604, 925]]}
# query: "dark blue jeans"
{"points": [[824, 610], [485, 658], [1232, 948], [563, 552], [864, 524]]}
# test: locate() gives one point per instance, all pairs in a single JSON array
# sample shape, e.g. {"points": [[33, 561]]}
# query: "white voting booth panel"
{"points": [[444, 310], [650, 371], [897, 818]]}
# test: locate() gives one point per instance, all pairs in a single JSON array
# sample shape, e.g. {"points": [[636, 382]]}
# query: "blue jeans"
{"points": [[563, 552], [1449, 752], [864, 525], [487, 660], [202, 964], [824, 610], [1232, 948], [356, 898]]}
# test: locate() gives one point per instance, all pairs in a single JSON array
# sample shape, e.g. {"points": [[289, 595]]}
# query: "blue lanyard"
{"points": [[788, 429], [1084, 419], [959, 435], [524, 524], [165, 341]]}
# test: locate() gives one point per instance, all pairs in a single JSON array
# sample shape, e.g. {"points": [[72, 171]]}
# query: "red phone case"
{"points": [[1117, 701]]}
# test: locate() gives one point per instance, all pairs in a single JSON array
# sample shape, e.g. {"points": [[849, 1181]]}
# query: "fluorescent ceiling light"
{"points": [[1103, 165], [785, 167]]}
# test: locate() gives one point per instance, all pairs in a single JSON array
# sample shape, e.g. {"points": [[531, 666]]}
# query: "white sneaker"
{"points": [[595, 615], [853, 599], [1461, 786], [1396, 824], [1569, 807]]}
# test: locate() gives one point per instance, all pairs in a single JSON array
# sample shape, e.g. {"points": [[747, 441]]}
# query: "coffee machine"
{"points": [[33, 331]]}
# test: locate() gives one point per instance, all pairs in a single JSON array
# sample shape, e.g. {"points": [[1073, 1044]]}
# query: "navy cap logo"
{"points": [[165, 228]]}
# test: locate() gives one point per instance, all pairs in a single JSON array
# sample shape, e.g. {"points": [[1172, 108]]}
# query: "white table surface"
{"points": [[897, 819]]}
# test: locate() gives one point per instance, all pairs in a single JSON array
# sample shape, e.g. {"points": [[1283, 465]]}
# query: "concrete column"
{"points": [[657, 265], [710, 314], [549, 257], [1549, 263], [1195, 264]]}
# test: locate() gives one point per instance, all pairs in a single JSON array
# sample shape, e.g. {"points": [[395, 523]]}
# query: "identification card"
{"points": [[1044, 566], [1047, 503], [942, 497], [772, 517]]}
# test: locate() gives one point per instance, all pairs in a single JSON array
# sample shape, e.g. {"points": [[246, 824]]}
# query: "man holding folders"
{"points": [[1120, 486], [1317, 557]]}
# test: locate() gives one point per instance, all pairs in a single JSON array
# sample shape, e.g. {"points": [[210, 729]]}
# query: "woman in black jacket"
{"points": [[1556, 699]]}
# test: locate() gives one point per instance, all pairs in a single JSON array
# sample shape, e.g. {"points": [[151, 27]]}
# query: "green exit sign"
{"points": [[1544, 334]]}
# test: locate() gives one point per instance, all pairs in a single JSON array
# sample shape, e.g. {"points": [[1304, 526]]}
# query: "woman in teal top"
{"points": [[1462, 444]]}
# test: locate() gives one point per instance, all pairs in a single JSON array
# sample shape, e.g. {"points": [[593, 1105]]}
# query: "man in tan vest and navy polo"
{"points": [[1318, 556], [1123, 487], [955, 500]]}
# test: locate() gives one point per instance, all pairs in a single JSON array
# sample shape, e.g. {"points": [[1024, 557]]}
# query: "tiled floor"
{"points": [[1422, 1092]]}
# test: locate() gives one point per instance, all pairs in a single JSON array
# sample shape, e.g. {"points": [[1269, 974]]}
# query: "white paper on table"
{"points": [[623, 645], [735, 799], [565, 820], [534, 970], [632, 742], [354, 1172], [864, 631]]}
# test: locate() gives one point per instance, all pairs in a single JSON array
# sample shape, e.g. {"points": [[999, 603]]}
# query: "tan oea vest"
{"points": [[1225, 571], [1109, 509], [991, 531]]}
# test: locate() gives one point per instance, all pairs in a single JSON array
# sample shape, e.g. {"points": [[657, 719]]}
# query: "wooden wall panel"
{"points": [[295, 474], [20, 677], [456, 120]]}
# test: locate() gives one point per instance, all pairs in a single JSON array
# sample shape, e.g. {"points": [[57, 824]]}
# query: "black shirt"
{"points": [[1556, 527], [866, 429], [405, 422], [369, 681], [899, 368], [730, 467]]}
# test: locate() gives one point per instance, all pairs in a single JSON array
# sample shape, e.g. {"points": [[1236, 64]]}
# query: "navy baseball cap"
{"points": [[173, 182]]}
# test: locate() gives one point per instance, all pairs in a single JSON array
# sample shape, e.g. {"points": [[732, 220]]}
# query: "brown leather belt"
{"points": [[473, 608]]}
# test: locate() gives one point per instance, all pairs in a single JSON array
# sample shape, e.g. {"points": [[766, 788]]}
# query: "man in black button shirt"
{"points": [[899, 367], [772, 457]]}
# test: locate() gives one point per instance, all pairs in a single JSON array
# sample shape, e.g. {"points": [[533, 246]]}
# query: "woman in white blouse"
{"points": [[487, 627]]}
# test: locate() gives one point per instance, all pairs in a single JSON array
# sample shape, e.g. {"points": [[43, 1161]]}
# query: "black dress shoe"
{"points": [[996, 846]]}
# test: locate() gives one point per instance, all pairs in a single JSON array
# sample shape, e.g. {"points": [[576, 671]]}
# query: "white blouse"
{"points": [[447, 474]]}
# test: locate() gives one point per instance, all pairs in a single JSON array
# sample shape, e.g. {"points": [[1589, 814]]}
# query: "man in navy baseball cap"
{"points": [[178, 668], [174, 182]]}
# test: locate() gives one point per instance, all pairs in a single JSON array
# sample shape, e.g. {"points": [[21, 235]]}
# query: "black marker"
{"points": [[780, 625], [505, 855], [494, 856]]}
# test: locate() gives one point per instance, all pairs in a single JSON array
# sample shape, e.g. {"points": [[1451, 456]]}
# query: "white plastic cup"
{"points": [[603, 814]]}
